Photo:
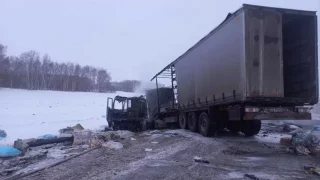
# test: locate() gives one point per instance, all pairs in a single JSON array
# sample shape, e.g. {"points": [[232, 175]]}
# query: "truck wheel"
{"points": [[183, 120], [251, 127], [204, 124], [192, 121]]}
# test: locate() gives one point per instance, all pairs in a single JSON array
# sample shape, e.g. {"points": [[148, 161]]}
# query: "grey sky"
{"points": [[131, 39]]}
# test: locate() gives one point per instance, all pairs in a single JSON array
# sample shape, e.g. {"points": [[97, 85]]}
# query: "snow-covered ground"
{"points": [[29, 114]]}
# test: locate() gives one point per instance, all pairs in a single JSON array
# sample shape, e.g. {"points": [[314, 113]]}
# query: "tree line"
{"points": [[33, 72]]}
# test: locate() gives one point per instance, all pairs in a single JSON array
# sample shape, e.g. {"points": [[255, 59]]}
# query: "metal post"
{"points": [[173, 98], [158, 95]]}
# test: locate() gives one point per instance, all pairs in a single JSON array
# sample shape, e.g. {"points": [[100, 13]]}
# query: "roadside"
{"points": [[171, 155]]}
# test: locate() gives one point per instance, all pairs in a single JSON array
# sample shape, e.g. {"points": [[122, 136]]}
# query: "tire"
{"points": [[234, 127], [192, 121], [204, 124], [251, 127], [183, 120]]}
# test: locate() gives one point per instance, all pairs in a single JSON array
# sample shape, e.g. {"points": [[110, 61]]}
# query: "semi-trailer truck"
{"points": [[260, 63]]}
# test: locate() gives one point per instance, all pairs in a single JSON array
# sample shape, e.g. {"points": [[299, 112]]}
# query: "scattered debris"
{"points": [[81, 137], [115, 135], [155, 132], [312, 170], [77, 127], [133, 139], [40, 142], [234, 151], [65, 135], [153, 136], [251, 176], [199, 159], [148, 149], [285, 141], [57, 154], [70, 130], [96, 141], [3, 134], [289, 128], [296, 131], [22, 144], [6, 151], [124, 134], [171, 133], [6, 172], [47, 136], [301, 150], [67, 130], [113, 145]]}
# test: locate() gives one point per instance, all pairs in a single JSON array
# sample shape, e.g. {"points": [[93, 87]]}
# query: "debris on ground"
{"points": [[234, 151], [65, 135], [289, 128], [303, 143], [115, 135], [39, 142], [82, 137], [3, 134], [70, 130], [96, 141], [22, 145], [6, 151], [286, 141], [148, 149], [77, 127], [301, 150], [113, 145], [133, 139], [124, 134], [312, 170], [200, 160], [67, 130], [171, 133], [155, 132], [47, 136], [251, 176], [154, 142], [57, 154], [70, 141]]}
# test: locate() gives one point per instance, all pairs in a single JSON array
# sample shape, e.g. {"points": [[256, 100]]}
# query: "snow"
{"points": [[29, 114]]}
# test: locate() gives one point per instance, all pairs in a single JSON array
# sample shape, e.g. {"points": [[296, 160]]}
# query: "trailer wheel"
{"points": [[183, 120], [204, 124], [192, 121], [251, 127]]}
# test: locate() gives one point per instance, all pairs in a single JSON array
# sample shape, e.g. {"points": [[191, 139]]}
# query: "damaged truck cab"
{"points": [[126, 113]]}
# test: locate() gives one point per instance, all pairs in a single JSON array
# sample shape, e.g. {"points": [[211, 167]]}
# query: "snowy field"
{"points": [[29, 114]]}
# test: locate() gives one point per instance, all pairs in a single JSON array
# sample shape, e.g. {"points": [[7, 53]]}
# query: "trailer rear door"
{"points": [[264, 53]]}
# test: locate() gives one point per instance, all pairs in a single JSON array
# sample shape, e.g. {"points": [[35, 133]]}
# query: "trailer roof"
{"points": [[244, 6]]}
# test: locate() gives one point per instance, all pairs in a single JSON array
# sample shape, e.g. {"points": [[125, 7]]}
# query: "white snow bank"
{"points": [[29, 114]]}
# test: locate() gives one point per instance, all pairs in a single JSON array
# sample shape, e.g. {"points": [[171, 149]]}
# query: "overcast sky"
{"points": [[131, 39]]}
